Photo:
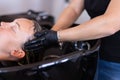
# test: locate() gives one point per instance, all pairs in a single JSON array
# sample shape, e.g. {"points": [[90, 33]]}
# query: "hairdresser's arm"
{"points": [[69, 15], [101, 26]]}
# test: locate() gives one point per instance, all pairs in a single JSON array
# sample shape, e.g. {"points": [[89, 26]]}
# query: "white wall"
{"points": [[54, 7], [16, 6], [83, 18], [59, 6]]}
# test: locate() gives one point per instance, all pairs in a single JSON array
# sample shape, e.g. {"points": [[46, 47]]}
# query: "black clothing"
{"points": [[110, 46], [96, 7]]}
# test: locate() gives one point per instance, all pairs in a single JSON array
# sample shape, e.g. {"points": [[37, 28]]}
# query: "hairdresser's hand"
{"points": [[44, 38]]}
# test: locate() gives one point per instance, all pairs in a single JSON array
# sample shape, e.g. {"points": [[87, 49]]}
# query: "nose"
{"points": [[4, 23], [7, 24]]}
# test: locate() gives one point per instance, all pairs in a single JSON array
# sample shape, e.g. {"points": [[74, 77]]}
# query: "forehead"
{"points": [[24, 22]]}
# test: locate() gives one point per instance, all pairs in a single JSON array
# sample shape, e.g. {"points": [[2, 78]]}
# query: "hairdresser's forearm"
{"points": [[96, 28], [69, 15]]}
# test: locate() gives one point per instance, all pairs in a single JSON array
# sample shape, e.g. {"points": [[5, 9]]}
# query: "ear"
{"points": [[18, 53]]}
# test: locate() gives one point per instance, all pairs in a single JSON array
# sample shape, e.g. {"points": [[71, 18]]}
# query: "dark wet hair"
{"points": [[37, 26], [31, 55]]}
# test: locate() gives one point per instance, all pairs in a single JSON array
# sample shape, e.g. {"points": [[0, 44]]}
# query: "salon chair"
{"points": [[69, 61]]}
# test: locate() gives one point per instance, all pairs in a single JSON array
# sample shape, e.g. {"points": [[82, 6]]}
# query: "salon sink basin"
{"points": [[76, 65]]}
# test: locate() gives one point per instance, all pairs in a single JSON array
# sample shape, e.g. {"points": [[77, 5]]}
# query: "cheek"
{"points": [[12, 44], [24, 35], [4, 42], [13, 47], [21, 37], [9, 46]]}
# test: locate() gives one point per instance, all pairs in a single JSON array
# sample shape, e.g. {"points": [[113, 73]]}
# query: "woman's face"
{"points": [[12, 37]]}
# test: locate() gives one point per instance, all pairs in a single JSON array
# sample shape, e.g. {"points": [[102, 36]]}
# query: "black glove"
{"points": [[44, 38]]}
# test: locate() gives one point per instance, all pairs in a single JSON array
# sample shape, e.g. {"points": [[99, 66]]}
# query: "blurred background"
{"points": [[53, 7]]}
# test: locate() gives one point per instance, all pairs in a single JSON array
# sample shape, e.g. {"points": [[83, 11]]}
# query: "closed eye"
{"points": [[14, 28], [18, 24]]}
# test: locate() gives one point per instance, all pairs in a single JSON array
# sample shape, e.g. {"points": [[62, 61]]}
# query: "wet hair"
{"points": [[32, 55], [37, 26]]}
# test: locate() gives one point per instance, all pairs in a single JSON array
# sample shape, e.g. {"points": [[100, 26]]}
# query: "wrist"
{"points": [[58, 36]]}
